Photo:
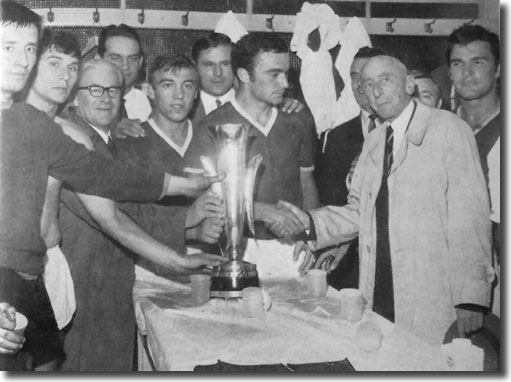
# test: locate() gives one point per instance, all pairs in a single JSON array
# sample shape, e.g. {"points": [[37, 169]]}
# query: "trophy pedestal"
{"points": [[230, 278]]}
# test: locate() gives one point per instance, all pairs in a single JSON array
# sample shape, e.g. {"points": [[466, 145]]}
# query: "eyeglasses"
{"points": [[97, 91]]}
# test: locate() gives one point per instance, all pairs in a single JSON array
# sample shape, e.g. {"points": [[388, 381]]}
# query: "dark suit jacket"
{"points": [[198, 112], [343, 144]]}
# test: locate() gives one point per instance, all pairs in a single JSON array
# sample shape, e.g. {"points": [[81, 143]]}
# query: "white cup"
{"points": [[368, 336], [200, 289], [253, 302], [316, 282], [352, 304]]}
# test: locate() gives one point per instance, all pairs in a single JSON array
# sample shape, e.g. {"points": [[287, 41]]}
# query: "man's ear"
{"points": [[410, 85], [497, 74], [150, 92], [140, 62], [440, 103], [243, 75]]}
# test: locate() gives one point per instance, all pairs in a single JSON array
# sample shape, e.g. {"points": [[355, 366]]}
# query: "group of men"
{"points": [[416, 197]]}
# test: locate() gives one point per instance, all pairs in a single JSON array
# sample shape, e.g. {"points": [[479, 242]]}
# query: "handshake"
{"points": [[288, 222], [283, 219]]}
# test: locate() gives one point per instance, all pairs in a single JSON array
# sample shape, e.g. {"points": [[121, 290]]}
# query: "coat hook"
{"points": [[389, 26], [95, 16], [184, 19], [141, 16], [269, 22], [427, 26], [469, 22], [50, 16]]}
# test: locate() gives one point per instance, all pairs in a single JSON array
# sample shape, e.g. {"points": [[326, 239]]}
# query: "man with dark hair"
{"points": [[34, 147], [340, 147], [285, 141], [212, 55], [419, 205], [169, 132], [473, 55], [120, 44], [178, 222]]}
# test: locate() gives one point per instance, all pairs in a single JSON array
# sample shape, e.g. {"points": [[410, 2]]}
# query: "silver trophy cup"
{"points": [[231, 277]]}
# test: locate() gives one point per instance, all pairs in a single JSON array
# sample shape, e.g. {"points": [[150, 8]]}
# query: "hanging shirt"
{"points": [[137, 105]]}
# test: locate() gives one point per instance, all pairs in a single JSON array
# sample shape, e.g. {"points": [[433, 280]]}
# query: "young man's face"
{"points": [[268, 82], [17, 56], [215, 70], [174, 93], [56, 76], [99, 111], [124, 52], [473, 70]]}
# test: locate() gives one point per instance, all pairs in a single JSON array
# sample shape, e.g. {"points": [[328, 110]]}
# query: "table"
{"points": [[296, 330]]}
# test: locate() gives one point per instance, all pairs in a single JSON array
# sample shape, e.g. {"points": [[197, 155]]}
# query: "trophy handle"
{"points": [[252, 167], [209, 167]]}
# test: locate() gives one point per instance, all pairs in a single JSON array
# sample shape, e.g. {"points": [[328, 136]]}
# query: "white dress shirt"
{"points": [[209, 101], [400, 124]]}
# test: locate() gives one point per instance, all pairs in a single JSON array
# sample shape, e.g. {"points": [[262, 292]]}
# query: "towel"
{"points": [[59, 285], [316, 76], [230, 26], [273, 259]]}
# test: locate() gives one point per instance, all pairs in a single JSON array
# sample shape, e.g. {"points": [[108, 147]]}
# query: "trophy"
{"points": [[236, 189]]}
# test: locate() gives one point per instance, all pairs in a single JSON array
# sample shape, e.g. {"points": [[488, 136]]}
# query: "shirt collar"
{"points": [[263, 129], [485, 122], [400, 124], [181, 150], [364, 117], [209, 101], [102, 134]]}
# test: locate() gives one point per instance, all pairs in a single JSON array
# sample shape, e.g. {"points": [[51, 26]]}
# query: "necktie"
{"points": [[123, 112], [218, 103], [372, 123], [383, 299]]}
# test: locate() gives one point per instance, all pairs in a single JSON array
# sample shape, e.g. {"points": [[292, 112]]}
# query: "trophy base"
{"points": [[229, 279]]}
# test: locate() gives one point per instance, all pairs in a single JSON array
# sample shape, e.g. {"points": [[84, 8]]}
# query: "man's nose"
{"points": [[217, 70], [178, 93], [468, 69], [65, 75], [22, 58]]}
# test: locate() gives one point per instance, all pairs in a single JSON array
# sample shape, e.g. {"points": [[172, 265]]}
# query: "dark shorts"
{"points": [[29, 297]]}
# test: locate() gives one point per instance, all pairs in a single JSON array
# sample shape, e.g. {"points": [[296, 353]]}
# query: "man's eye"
{"points": [[9, 48], [73, 68], [115, 58], [31, 49]]}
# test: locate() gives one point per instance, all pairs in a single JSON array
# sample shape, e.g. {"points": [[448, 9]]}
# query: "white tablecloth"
{"points": [[297, 329]]}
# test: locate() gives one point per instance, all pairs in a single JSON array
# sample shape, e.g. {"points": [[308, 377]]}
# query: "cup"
{"points": [[316, 282], [253, 302], [352, 304], [21, 324], [368, 336], [200, 289]]}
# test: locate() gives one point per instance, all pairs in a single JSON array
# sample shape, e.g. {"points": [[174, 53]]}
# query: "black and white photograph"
{"points": [[251, 187]]}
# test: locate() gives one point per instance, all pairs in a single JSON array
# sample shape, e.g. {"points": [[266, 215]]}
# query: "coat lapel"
{"points": [[415, 134], [99, 144]]}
